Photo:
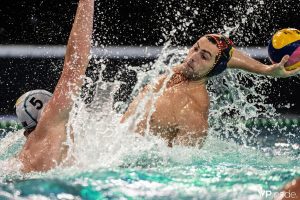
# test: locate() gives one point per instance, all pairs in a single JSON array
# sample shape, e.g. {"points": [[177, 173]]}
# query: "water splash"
{"points": [[101, 141], [112, 161]]}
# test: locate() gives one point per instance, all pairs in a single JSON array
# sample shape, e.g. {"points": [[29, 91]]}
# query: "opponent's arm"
{"points": [[75, 63], [242, 61]]}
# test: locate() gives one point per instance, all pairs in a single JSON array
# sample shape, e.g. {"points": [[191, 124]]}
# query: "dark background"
{"points": [[137, 22]]}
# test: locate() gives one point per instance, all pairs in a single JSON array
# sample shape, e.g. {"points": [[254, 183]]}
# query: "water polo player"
{"points": [[43, 115], [181, 112]]}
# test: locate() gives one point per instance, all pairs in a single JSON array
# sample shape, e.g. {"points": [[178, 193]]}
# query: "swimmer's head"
{"points": [[208, 56], [29, 108]]}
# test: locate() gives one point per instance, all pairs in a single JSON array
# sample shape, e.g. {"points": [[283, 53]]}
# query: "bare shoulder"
{"points": [[42, 144]]}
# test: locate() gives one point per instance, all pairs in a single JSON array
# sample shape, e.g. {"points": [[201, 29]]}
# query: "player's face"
{"points": [[200, 58]]}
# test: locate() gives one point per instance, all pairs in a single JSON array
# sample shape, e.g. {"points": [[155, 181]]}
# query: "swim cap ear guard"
{"points": [[30, 106], [225, 46]]}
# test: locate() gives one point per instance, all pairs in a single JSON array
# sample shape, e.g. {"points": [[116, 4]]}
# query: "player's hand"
{"points": [[278, 69]]}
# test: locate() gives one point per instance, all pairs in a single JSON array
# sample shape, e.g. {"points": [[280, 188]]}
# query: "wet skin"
{"points": [[45, 146], [181, 111]]}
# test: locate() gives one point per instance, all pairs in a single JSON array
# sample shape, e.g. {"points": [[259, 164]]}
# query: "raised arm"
{"points": [[75, 63], [242, 61]]}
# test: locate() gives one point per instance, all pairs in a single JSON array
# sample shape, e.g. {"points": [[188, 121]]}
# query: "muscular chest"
{"points": [[161, 114], [165, 110]]}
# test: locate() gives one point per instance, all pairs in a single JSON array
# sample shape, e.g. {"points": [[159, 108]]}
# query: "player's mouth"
{"points": [[188, 64]]}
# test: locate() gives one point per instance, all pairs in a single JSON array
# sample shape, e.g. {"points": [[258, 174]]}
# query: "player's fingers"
{"points": [[284, 60], [293, 72]]}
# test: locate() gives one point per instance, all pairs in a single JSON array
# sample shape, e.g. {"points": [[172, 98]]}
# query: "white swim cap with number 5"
{"points": [[30, 106]]}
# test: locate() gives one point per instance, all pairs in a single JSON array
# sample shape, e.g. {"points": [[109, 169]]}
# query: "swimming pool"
{"points": [[222, 169]]}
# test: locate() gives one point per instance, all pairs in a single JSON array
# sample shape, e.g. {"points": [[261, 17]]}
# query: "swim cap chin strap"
{"points": [[225, 46]]}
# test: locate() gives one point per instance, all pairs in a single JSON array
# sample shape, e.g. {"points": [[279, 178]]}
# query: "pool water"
{"points": [[219, 170]]}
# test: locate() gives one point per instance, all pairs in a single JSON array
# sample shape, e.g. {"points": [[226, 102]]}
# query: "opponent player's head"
{"points": [[208, 56], [29, 108]]}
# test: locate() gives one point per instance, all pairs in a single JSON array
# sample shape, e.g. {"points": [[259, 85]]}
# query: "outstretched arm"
{"points": [[75, 63], [242, 61], [45, 147]]}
